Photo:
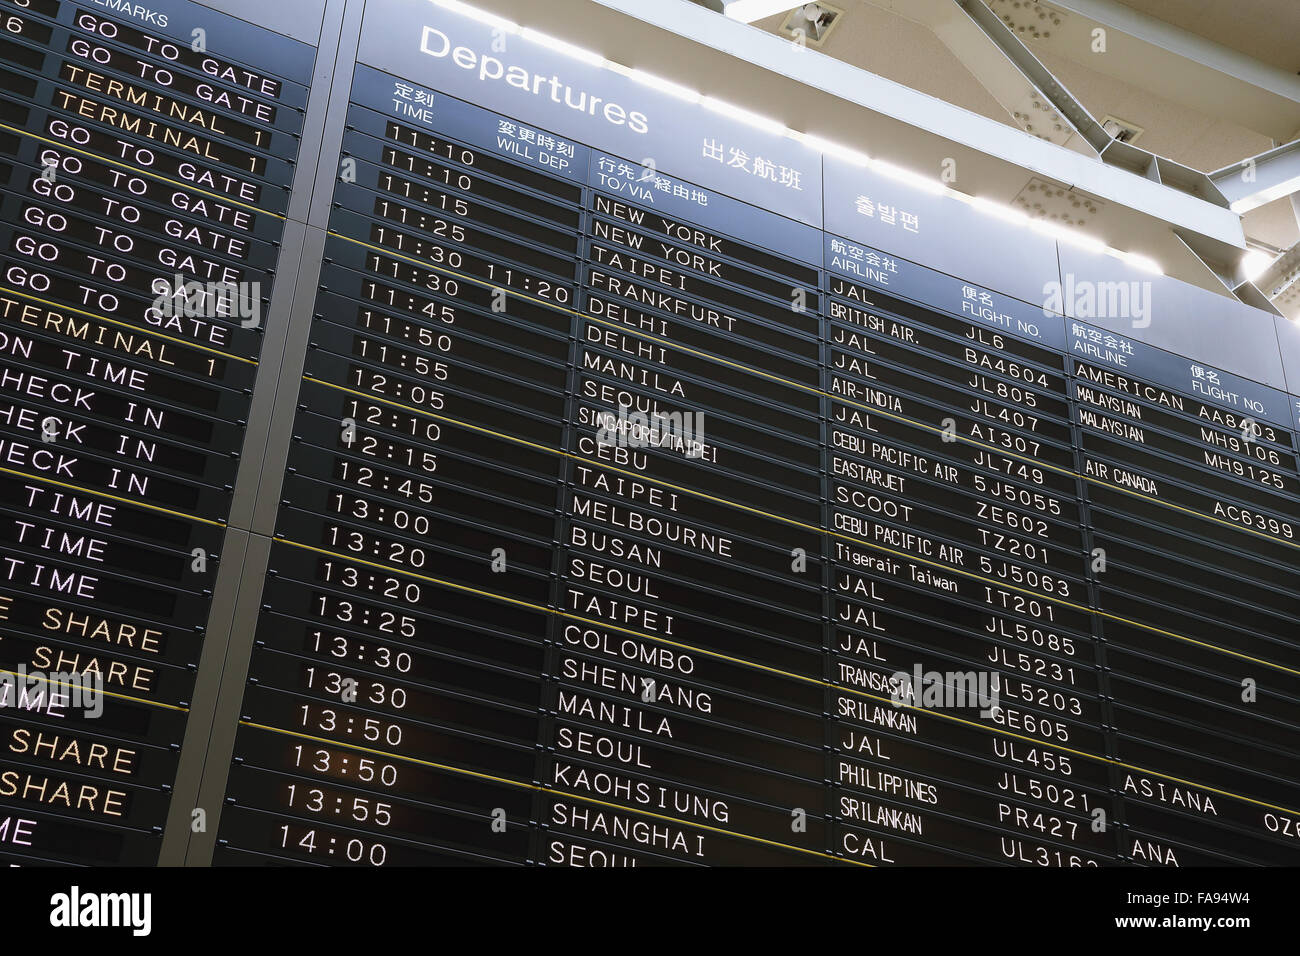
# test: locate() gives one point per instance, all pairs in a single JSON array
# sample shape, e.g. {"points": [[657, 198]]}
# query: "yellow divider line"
{"points": [[540, 789], [126, 325], [807, 527], [820, 682], [96, 157], [799, 385], [103, 494], [106, 693]]}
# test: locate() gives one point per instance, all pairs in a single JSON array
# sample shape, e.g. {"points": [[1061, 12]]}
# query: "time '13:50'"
{"points": [[370, 729]]}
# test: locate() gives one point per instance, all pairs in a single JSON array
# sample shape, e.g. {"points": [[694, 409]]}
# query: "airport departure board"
{"points": [[141, 171], [648, 489]]}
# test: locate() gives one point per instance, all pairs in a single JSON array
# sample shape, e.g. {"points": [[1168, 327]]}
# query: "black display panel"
{"points": [[701, 630], [132, 165], [606, 511]]}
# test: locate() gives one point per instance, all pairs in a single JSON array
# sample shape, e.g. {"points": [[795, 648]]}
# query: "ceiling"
{"points": [[1202, 118], [1267, 30]]}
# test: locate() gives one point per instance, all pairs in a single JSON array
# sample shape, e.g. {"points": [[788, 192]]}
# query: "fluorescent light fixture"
{"points": [[560, 46], [1072, 237], [482, 16], [830, 148], [664, 86], [999, 210], [723, 108], [1145, 263], [1069, 236], [1255, 263], [1014, 216], [1266, 196], [925, 183], [747, 11]]}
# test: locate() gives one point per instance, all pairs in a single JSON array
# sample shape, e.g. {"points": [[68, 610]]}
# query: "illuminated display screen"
{"points": [[612, 510], [131, 164]]}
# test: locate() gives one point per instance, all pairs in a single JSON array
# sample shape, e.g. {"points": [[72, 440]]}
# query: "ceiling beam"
{"points": [[1019, 55], [1179, 66], [1280, 282], [1259, 180], [1222, 263]]}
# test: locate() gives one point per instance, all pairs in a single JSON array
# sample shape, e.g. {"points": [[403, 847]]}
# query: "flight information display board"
{"points": [[636, 486], [509, 620], [145, 164]]}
